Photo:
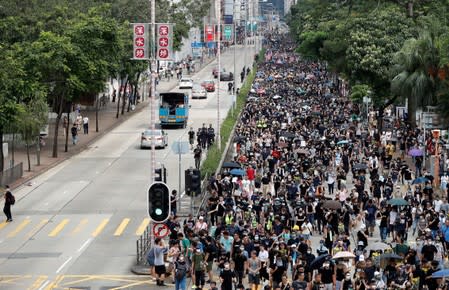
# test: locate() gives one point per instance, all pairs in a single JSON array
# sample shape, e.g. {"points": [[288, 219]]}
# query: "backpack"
{"points": [[12, 199], [181, 271], [150, 257]]}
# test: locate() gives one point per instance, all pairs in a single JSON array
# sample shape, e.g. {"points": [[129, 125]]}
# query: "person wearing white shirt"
{"points": [[437, 204]]}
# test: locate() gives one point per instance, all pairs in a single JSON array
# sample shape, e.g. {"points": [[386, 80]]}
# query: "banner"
{"points": [[164, 41], [140, 41], [209, 33]]}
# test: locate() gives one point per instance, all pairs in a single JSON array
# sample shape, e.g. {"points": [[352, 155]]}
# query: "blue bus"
{"points": [[173, 109]]}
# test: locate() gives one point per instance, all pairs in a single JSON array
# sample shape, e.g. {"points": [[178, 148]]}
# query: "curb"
{"points": [[141, 270]]}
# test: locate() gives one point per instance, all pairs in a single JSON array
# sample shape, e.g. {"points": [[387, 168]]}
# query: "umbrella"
{"points": [[359, 166], [377, 246], [415, 152], [390, 256], [276, 97], [319, 261], [303, 151], [441, 274], [237, 171], [288, 135], [397, 201], [343, 255], [231, 165], [420, 180], [342, 142], [332, 204]]}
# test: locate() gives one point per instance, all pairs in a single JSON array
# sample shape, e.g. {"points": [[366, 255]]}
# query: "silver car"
{"points": [[198, 92], [161, 138]]}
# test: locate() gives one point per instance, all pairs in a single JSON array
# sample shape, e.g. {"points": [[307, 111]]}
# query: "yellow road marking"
{"points": [[54, 284], [121, 227], [58, 228], [80, 226], [142, 226], [100, 228], [37, 228], [38, 282], [19, 228], [12, 279], [2, 225]]}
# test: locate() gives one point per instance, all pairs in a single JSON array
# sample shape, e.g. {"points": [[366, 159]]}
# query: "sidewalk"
{"points": [[106, 122]]}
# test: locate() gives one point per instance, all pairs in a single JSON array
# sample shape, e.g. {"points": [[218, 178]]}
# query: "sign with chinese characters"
{"points": [[164, 41], [209, 33], [140, 41], [227, 32]]}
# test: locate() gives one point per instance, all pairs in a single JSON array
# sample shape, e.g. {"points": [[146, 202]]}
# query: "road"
{"points": [[77, 226]]}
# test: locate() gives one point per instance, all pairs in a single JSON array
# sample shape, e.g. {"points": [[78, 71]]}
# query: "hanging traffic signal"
{"points": [[159, 202], [192, 182], [160, 174]]}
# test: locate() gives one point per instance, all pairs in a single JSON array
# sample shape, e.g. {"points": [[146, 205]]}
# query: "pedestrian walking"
{"points": [[198, 268], [65, 125], [86, 125], [9, 200], [159, 264], [181, 270], [191, 138], [74, 131], [197, 156]]}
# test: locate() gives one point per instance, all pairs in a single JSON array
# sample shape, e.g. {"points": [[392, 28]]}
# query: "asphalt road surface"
{"points": [[76, 227]]}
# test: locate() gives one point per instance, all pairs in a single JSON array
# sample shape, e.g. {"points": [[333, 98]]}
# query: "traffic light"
{"points": [[159, 202], [193, 182], [160, 174]]}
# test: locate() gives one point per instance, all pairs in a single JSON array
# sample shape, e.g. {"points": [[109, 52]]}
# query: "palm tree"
{"points": [[415, 71]]}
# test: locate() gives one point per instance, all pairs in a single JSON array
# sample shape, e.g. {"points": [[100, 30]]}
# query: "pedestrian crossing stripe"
{"points": [[100, 228], [19, 228], [58, 228], [30, 227], [142, 226], [80, 226], [121, 227]]}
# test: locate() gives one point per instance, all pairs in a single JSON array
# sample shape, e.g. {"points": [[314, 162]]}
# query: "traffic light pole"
{"points": [[153, 89]]}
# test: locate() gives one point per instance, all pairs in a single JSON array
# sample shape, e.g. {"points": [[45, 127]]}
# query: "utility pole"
{"points": [[152, 65], [219, 72]]}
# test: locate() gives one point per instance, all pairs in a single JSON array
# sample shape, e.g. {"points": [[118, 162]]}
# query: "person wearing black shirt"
{"points": [[428, 250], [327, 274], [240, 265], [226, 277], [277, 269]]}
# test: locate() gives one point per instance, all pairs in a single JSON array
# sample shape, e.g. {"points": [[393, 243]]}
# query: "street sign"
{"points": [[197, 44], [209, 33], [160, 230], [140, 41], [164, 41], [181, 147], [227, 32]]}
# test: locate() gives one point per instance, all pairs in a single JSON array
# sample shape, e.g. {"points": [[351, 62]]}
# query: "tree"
{"points": [[415, 67], [33, 116]]}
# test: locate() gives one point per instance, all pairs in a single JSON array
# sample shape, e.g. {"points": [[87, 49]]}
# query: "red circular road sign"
{"points": [[160, 230]]}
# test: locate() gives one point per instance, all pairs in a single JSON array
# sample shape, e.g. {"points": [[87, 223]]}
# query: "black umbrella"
{"points": [[319, 261], [231, 165], [360, 166]]}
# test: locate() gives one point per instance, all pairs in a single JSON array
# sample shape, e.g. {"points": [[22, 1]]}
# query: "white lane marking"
{"points": [[85, 244], [62, 266], [45, 284]]}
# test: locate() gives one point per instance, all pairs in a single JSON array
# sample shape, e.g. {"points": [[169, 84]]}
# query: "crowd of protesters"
{"points": [[307, 168]]}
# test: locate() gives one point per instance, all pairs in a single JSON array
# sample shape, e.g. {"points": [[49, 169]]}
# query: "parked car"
{"points": [[226, 76], [215, 72], [198, 92], [161, 138], [185, 83], [209, 85]]}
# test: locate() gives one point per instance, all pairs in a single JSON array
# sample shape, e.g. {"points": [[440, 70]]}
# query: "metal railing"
{"points": [[11, 174], [143, 245]]}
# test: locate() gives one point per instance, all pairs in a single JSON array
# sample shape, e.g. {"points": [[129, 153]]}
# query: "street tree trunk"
{"points": [[411, 110], [58, 119], [96, 112], [66, 147], [124, 96], [118, 97], [28, 154], [2, 157]]}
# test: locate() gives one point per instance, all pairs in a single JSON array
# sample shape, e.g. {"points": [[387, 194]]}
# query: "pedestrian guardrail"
{"points": [[12, 174], [143, 245]]}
